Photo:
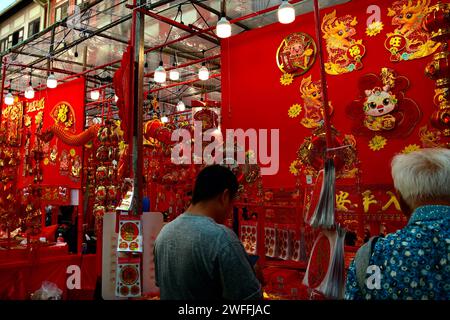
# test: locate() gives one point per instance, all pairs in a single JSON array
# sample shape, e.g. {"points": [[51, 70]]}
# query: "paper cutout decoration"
{"points": [[411, 148], [382, 108], [374, 28], [311, 93], [130, 235], [295, 56], [249, 236], [64, 163], [377, 143], [128, 278], [295, 245], [11, 125], [64, 115], [409, 40], [344, 52], [270, 241], [283, 244]]}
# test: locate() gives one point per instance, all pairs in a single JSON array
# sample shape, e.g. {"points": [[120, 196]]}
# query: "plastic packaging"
{"points": [[48, 291]]}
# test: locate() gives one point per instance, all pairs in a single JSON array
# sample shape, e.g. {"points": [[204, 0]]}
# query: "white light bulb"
{"points": [[160, 75], [164, 119], [52, 83], [174, 75], [95, 95], [223, 28], [116, 98], [181, 106], [203, 73], [9, 99], [286, 12], [29, 92]]}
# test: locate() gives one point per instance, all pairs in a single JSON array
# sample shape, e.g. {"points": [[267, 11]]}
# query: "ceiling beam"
{"points": [[178, 25], [217, 13]]}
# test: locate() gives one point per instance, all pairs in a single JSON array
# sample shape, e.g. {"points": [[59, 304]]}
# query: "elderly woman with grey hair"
{"points": [[414, 262]]}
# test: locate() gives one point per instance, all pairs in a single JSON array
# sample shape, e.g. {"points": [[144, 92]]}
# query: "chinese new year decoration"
{"points": [[409, 40], [311, 93], [344, 53], [295, 56], [437, 22], [383, 110]]}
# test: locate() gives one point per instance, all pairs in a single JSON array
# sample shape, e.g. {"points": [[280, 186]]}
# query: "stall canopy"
{"points": [[91, 42]]}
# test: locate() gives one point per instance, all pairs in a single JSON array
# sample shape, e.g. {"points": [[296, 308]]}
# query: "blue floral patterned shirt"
{"points": [[413, 262]]}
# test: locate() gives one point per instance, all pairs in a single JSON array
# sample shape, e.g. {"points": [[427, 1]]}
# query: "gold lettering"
{"points": [[368, 199], [342, 201], [392, 200], [36, 105]]}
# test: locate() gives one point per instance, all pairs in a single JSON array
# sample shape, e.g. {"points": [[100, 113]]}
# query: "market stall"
{"points": [[90, 168]]}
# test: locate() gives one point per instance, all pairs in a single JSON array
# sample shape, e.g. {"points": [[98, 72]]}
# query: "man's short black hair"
{"points": [[212, 181]]}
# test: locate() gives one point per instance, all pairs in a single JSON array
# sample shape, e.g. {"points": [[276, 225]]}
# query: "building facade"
{"points": [[20, 21]]}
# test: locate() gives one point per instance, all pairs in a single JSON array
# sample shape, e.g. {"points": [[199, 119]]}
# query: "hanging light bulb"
{"points": [[223, 28], [164, 119], [52, 83], [181, 106], [203, 73], [286, 12], [9, 99], [95, 95], [29, 92], [116, 98], [160, 73], [174, 74]]}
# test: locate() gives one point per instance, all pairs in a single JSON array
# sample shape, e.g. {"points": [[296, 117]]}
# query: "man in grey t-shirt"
{"points": [[198, 258]]}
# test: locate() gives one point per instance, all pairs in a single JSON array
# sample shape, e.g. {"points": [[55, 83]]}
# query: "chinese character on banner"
{"points": [[392, 200], [368, 199], [342, 201]]}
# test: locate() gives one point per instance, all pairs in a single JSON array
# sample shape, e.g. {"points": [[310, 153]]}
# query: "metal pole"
{"points": [[52, 46], [138, 103], [186, 64], [180, 84], [323, 76]]}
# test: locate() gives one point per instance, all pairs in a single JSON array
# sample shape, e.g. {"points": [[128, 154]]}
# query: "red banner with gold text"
{"points": [[59, 164]]}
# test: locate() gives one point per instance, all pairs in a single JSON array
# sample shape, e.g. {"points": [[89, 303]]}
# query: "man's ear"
{"points": [[226, 196]]}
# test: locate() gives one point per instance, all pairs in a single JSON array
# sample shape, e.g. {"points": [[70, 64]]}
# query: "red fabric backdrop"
{"points": [[254, 98], [73, 94], [22, 272]]}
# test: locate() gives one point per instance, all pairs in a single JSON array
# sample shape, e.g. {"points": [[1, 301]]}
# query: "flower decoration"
{"points": [[411, 148], [72, 152], [295, 110], [46, 161], [377, 143], [294, 167], [286, 79], [374, 28]]}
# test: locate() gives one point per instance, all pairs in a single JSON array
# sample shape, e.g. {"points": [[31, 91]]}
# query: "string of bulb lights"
{"points": [[286, 15]]}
